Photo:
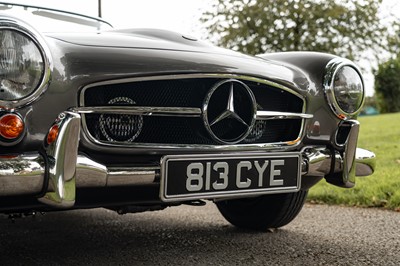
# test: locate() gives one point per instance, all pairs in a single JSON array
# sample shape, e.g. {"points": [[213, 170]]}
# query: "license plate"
{"points": [[187, 177]]}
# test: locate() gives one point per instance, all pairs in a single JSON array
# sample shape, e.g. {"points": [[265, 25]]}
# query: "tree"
{"points": [[387, 86], [345, 28]]}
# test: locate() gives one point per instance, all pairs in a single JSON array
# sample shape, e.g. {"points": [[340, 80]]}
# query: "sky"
{"points": [[177, 15]]}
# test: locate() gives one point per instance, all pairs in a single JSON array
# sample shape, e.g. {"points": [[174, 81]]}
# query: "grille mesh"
{"points": [[190, 93]]}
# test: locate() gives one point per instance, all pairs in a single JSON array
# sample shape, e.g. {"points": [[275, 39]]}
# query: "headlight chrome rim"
{"points": [[9, 23], [332, 69]]}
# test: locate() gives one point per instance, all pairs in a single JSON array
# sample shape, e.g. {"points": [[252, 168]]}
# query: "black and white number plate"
{"points": [[185, 177]]}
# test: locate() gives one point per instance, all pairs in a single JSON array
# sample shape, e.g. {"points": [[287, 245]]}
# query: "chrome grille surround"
{"points": [[179, 112]]}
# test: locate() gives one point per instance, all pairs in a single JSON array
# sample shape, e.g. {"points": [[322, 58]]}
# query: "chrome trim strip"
{"points": [[189, 76], [178, 112], [140, 110], [11, 23], [331, 70], [271, 115], [162, 146], [131, 176]]}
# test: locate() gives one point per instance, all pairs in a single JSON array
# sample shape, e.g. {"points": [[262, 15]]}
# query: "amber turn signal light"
{"points": [[11, 126], [53, 134]]}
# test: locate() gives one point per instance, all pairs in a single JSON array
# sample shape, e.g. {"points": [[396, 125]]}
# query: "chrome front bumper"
{"points": [[54, 175]]}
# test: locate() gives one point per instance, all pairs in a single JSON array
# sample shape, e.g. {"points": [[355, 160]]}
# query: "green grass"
{"points": [[380, 134]]}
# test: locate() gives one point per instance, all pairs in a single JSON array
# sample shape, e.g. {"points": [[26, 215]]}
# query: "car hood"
{"points": [[133, 52], [143, 39]]}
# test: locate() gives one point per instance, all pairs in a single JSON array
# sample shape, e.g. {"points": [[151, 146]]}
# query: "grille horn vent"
{"points": [[120, 127]]}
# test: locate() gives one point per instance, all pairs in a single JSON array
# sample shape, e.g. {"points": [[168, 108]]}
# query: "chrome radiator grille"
{"points": [[191, 110]]}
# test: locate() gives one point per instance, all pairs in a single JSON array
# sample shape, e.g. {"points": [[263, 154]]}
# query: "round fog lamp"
{"points": [[11, 126]]}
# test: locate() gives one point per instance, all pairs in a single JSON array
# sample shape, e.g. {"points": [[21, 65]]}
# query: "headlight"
{"points": [[24, 64], [21, 66], [344, 88]]}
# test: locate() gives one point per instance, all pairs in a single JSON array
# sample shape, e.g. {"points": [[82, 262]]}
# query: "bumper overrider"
{"points": [[54, 174]]}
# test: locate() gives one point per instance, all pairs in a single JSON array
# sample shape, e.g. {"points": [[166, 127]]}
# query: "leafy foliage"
{"points": [[344, 28], [387, 86]]}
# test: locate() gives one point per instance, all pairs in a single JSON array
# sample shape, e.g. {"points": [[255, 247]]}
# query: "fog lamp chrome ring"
{"points": [[12, 128]]}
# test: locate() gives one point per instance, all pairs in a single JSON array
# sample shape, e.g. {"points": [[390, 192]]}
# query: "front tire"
{"points": [[261, 213]]}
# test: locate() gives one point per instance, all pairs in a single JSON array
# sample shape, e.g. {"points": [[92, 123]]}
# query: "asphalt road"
{"points": [[321, 235]]}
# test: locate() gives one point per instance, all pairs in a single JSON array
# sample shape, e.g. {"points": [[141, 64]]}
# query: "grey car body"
{"points": [[147, 119]]}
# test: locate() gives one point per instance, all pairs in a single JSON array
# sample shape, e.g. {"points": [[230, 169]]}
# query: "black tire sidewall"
{"points": [[263, 212]]}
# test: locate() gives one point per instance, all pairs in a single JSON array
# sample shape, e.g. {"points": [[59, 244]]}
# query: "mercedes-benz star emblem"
{"points": [[229, 111]]}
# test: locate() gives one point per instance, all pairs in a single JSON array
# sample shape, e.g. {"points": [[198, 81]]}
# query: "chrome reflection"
{"points": [[62, 158], [92, 174], [21, 174], [271, 115], [140, 110], [365, 162]]}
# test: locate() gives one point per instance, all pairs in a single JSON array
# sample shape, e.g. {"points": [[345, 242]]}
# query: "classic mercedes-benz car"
{"points": [[138, 119]]}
